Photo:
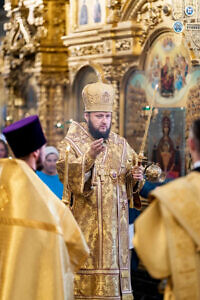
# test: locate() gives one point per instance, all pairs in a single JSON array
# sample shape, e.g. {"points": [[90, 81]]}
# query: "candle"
{"points": [[66, 192]]}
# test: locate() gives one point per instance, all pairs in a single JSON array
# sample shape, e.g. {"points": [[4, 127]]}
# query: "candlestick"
{"points": [[141, 153]]}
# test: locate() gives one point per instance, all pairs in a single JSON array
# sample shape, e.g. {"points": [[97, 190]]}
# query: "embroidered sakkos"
{"points": [[100, 206]]}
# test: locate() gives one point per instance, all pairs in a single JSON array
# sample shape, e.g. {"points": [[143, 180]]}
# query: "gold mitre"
{"points": [[98, 97]]}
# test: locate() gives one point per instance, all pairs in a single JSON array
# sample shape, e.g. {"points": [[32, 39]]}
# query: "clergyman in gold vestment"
{"points": [[101, 181], [167, 237], [41, 244]]}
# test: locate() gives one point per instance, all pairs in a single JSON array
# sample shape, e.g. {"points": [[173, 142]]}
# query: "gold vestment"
{"points": [[167, 237], [41, 244], [100, 206]]}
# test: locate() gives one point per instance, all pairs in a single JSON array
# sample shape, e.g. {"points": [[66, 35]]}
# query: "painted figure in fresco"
{"points": [[83, 14], [101, 180], [167, 79], [168, 44], [165, 153], [181, 71], [178, 80], [97, 12], [154, 72]]}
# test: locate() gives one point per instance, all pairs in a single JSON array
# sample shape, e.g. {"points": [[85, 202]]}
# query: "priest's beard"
{"points": [[96, 134], [39, 162]]}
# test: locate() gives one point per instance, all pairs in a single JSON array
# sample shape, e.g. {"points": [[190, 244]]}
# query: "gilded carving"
{"points": [[51, 103], [87, 50], [114, 11], [150, 15], [115, 71], [32, 47], [115, 115], [123, 45], [177, 9], [191, 29]]}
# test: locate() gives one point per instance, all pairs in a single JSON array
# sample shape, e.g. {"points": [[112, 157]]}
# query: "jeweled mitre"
{"points": [[98, 97]]}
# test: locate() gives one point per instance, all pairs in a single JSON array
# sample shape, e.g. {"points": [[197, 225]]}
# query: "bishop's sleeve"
{"points": [[78, 166]]}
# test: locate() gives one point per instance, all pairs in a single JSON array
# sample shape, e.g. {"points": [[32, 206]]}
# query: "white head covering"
{"points": [[2, 137], [50, 150]]}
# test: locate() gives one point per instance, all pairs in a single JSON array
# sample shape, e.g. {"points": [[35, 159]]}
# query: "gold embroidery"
{"points": [[3, 198], [30, 223], [125, 274], [127, 297], [102, 215]]}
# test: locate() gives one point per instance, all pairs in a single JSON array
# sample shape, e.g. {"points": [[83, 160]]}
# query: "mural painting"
{"points": [[166, 141], [168, 68]]}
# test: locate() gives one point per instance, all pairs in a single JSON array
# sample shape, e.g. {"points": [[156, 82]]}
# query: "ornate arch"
{"points": [[96, 67], [86, 74], [149, 41], [130, 9], [123, 83], [153, 18]]}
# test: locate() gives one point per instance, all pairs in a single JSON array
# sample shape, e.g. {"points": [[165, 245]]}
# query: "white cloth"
{"points": [[88, 175], [50, 150], [196, 164]]}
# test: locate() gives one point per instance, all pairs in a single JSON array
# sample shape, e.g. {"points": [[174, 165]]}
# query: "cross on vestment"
{"points": [[123, 201], [101, 173]]}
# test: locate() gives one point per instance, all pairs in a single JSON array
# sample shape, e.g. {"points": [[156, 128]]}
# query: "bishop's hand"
{"points": [[96, 148], [138, 173]]}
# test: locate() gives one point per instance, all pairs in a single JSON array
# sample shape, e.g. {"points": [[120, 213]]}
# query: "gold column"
{"points": [[33, 50]]}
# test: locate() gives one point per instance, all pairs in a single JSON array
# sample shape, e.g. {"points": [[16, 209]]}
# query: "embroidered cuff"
{"points": [[89, 162]]}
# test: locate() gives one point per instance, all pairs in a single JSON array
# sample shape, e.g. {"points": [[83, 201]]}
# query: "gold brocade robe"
{"points": [[100, 206], [41, 244], [167, 237]]}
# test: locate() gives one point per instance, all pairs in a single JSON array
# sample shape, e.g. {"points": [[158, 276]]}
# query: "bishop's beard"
{"points": [[96, 134]]}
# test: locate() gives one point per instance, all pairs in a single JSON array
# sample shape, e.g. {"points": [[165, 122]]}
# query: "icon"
{"points": [[189, 10], [178, 26]]}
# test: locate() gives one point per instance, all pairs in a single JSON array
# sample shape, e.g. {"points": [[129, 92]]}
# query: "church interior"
{"points": [[149, 50]]}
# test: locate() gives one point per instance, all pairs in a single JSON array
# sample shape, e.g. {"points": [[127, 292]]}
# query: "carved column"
{"points": [[10, 106], [115, 122], [33, 49], [43, 104], [114, 74], [51, 106]]}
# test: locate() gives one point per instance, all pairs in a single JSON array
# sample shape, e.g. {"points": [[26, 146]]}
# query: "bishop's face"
{"points": [[99, 124]]}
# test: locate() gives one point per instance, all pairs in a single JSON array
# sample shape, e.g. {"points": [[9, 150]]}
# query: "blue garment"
{"points": [[133, 214], [149, 186], [179, 83], [53, 182]]}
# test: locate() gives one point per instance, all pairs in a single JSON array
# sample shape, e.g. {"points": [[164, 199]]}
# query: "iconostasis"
{"points": [[148, 50]]}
